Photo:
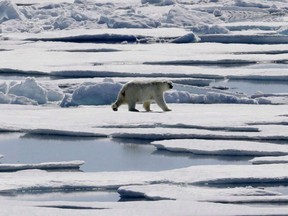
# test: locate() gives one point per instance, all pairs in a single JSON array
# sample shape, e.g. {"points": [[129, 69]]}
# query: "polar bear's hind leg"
{"points": [[146, 106]]}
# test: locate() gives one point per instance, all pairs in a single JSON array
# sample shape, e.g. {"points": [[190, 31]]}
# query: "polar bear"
{"points": [[143, 92]]}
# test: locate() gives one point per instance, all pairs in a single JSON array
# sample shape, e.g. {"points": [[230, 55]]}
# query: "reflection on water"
{"points": [[101, 154]]}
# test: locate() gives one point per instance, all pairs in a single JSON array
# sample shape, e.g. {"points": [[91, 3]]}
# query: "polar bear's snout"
{"points": [[114, 107]]}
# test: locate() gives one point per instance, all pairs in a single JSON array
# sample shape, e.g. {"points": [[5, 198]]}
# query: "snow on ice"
{"points": [[270, 160], [222, 147], [66, 60], [31, 92], [204, 121], [25, 180], [43, 166], [162, 192]]}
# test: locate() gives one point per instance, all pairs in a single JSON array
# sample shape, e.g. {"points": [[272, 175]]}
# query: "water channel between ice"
{"points": [[99, 155]]}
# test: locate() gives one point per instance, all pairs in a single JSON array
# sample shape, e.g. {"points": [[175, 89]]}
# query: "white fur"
{"points": [[143, 92]]}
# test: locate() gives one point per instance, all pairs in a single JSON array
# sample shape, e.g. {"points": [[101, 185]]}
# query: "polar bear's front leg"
{"points": [[146, 106], [131, 106], [159, 99]]}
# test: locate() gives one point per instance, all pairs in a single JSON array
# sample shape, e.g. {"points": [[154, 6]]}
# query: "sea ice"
{"points": [[8, 10], [203, 122], [83, 39], [175, 192], [42, 166], [270, 160], [221, 147], [32, 92], [158, 185], [30, 89], [29, 92], [95, 94]]}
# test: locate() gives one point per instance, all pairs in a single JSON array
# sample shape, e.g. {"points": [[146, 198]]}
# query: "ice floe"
{"points": [[204, 122], [158, 186], [31, 92], [210, 175], [85, 41], [236, 194], [270, 160], [62, 61], [221, 147], [42, 166]]}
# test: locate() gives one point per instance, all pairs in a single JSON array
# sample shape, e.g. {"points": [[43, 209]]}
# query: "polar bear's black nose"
{"points": [[170, 85]]}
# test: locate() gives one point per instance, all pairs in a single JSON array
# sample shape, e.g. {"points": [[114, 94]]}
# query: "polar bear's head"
{"points": [[167, 85]]}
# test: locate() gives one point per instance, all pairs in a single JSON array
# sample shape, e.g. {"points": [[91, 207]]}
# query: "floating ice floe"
{"points": [[69, 132], [280, 98], [121, 35], [42, 166], [131, 60], [212, 175], [219, 195], [221, 147], [270, 160], [173, 188], [204, 122]]}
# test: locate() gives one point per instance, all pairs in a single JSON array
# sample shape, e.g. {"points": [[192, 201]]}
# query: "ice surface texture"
{"points": [[43, 166], [85, 41]]}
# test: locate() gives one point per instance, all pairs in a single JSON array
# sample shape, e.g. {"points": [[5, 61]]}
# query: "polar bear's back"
{"points": [[143, 90]]}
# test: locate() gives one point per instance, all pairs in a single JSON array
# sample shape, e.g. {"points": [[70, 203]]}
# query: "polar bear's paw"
{"points": [[133, 110]]}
